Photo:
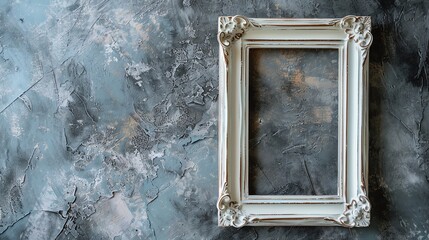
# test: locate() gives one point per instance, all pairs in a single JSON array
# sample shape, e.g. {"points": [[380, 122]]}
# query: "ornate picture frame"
{"points": [[352, 37]]}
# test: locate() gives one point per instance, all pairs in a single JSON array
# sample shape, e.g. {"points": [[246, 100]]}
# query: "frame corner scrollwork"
{"points": [[357, 213], [230, 213], [358, 28], [232, 29]]}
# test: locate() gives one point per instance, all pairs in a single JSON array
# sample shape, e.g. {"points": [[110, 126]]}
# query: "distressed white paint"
{"points": [[351, 36]]}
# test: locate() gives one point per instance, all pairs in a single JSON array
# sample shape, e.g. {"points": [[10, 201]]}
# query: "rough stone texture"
{"points": [[293, 130], [108, 118]]}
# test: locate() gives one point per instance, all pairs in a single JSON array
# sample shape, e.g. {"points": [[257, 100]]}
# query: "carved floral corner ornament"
{"points": [[356, 214], [358, 28], [232, 28], [230, 213]]}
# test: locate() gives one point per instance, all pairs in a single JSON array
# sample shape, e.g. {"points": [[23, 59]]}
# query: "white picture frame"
{"points": [[352, 37]]}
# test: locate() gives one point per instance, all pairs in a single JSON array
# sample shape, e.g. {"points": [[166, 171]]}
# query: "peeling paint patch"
{"points": [[112, 217], [136, 160], [135, 70], [15, 129]]}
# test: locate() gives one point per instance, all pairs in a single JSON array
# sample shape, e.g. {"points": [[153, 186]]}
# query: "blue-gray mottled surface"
{"points": [[108, 118], [293, 130]]}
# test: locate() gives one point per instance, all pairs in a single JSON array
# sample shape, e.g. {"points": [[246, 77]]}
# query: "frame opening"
{"points": [[293, 121]]}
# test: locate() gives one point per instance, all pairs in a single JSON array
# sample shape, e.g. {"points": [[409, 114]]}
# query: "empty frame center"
{"points": [[293, 121]]}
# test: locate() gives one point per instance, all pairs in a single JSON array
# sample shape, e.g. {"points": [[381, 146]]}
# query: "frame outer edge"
{"points": [[222, 122], [359, 203]]}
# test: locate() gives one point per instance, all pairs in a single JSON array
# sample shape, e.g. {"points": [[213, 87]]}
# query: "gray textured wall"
{"points": [[108, 118]]}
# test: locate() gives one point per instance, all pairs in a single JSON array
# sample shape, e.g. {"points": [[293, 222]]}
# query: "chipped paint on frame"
{"points": [[350, 34]]}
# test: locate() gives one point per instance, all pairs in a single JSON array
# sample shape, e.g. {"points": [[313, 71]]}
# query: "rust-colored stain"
{"points": [[322, 114]]}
